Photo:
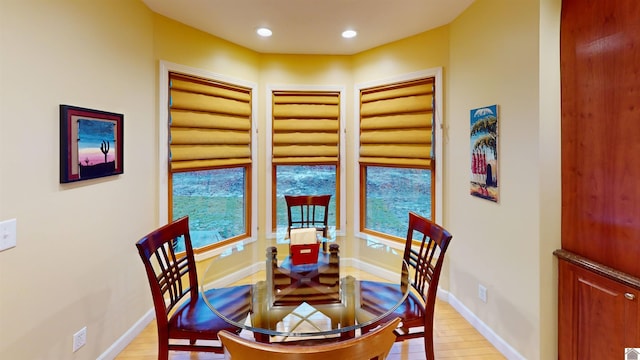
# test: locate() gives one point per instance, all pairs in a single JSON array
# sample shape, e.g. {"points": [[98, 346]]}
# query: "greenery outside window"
{"points": [[304, 180], [215, 202], [391, 193]]}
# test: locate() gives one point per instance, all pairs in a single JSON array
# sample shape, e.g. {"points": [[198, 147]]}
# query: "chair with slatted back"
{"points": [[182, 316], [305, 211], [373, 345], [424, 252]]}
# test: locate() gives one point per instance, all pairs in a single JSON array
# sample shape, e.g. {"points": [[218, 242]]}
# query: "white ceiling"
{"points": [[311, 26]]}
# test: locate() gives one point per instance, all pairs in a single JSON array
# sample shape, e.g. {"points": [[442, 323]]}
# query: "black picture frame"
{"points": [[91, 143]]}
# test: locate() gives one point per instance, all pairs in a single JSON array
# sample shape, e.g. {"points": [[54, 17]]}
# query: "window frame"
{"points": [[340, 169], [436, 175], [163, 157]]}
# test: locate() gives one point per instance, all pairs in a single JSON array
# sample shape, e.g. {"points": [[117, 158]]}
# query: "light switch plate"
{"points": [[7, 234]]}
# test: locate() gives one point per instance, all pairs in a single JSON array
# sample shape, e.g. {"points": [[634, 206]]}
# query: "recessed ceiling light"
{"points": [[264, 32], [348, 34]]}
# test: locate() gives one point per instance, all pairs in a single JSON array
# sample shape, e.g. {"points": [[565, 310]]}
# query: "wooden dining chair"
{"points": [[306, 211], [373, 345], [424, 252], [182, 315]]}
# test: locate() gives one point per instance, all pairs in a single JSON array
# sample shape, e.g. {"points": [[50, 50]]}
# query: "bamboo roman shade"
{"points": [[210, 123], [396, 124], [306, 127]]}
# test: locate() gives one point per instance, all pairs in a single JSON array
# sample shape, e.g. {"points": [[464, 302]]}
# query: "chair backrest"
{"points": [[171, 277], [424, 252], [373, 345], [308, 211]]}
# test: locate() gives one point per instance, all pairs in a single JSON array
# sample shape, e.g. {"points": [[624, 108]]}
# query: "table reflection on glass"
{"points": [[315, 300]]}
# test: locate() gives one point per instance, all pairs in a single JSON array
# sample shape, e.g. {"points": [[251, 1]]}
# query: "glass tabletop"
{"points": [[285, 292]]}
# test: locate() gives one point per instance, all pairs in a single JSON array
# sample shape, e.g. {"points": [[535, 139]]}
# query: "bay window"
{"points": [[305, 149], [396, 155]]}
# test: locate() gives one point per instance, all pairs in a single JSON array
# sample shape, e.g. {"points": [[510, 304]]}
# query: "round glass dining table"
{"points": [[292, 293]]}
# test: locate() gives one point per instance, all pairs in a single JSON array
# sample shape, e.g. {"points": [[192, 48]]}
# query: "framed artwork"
{"points": [[484, 153], [91, 144]]}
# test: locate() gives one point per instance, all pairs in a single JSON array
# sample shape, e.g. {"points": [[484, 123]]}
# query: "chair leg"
{"points": [[163, 350], [263, 338], [163, 345], [428, 343]]}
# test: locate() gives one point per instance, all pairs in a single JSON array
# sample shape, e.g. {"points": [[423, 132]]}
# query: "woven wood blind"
{"points": [[210, 123], [306, 127], [396, 124]]}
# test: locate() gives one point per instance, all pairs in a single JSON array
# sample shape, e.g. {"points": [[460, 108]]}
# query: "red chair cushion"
{"points": [[376, 297], [199, 318]]}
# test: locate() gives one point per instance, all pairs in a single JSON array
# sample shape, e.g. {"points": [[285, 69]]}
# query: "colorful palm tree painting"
{"points": [[484, 152]]}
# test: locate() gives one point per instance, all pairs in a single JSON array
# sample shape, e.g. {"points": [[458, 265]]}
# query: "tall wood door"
{"points": [[600, 87]]}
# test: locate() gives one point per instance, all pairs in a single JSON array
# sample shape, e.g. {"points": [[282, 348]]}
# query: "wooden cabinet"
{"points": [[599, 263], [599, 315]]}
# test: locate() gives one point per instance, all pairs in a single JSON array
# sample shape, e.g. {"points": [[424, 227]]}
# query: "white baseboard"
{"points": [[371, 269], [502, 346], [142, 323], [236, 276], [499, 343], [128, 336]]}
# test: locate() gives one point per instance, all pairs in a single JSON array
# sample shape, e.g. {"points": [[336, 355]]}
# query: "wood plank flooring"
{"points": [[454, 338]]}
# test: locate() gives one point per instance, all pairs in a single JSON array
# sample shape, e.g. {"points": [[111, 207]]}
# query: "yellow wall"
{"points": [[180, 44], [494, 60], [549, 176], [75, 263], [500, 55], [419, 52]]}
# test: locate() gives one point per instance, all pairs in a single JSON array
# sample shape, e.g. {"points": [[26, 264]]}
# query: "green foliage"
{"points": [[224, 215], [215, 204], [392, 193], [383, 218]]}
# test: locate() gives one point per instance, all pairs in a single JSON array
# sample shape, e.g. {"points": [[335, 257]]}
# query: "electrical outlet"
{"points": [[7, 234], [482, 293], [79, 339]]}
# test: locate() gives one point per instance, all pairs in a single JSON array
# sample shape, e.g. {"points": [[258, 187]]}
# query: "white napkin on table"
{"points": [[303, 236]]}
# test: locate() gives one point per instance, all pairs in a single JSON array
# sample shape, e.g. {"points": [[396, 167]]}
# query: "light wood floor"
{"points": [[454, 338]]}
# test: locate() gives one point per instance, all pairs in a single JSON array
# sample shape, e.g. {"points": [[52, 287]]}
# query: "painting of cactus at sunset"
{"points": [[96, 156], [91, 144]]}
